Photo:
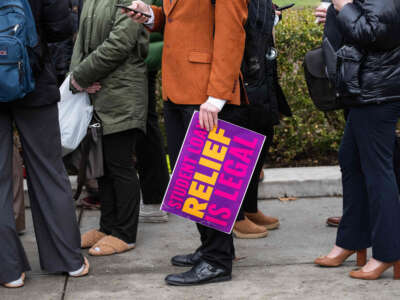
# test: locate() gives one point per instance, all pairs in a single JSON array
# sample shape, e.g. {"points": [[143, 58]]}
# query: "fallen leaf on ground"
{"points": [[239, 258], [286, 199]]}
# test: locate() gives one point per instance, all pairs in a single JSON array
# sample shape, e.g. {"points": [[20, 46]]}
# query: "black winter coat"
{"points": [[260, 74], [53, 24], [373, 26], [61, 52]]}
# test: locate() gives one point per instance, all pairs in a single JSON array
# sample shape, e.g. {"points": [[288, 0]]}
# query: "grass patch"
{"points": [[299, 3]]}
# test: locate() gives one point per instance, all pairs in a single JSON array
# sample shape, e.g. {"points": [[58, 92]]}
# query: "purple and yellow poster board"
{"points": [[212, 174]]}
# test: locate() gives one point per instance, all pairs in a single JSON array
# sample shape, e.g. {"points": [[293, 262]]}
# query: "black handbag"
{"points": [[320, 88], [330, 59]]}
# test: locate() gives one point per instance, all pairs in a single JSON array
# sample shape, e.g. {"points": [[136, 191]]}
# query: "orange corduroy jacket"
{"points": [[203, 49]]}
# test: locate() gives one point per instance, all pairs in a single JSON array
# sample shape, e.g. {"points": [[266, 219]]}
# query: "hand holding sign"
{"points": [[208, 116], [212, 174]]}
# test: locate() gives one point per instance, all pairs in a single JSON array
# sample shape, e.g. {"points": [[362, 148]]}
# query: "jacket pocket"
{"points": [[349, 61], [200, 57]]}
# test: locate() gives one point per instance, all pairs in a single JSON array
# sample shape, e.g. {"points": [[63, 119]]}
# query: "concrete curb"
{"points": [[286, 182], [301, 182]]}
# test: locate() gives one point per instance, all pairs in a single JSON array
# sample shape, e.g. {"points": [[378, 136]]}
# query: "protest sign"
{"points": [[212, 174]]}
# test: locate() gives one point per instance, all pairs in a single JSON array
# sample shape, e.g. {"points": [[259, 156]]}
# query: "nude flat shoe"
{"points": [[90, 238], [110, 245], [261, 219], [246, 229]]}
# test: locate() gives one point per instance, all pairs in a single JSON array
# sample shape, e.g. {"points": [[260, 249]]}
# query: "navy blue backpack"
{"points": [[18, 36]]}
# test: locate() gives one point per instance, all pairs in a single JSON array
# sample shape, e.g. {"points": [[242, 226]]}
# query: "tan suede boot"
{"points": [[246, 229], [260, 219]]}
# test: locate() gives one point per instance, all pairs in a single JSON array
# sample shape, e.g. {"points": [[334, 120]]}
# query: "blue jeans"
{"points": [[371, 204]]}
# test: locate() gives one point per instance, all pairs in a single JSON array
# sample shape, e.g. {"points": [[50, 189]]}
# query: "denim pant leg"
{"points": [[376, 135], [371, 130], [353, 232]]}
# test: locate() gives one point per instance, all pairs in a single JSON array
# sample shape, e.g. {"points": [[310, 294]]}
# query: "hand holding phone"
{"points": [[127, 8], [320, 12]]}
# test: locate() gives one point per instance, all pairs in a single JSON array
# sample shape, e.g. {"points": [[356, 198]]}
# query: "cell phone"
{"points": [[134, 10], [285, 7]]}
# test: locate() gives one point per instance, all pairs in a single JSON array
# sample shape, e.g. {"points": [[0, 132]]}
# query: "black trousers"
{"points": [[217, 247], [119, 187], [371, 204], [54, 219], [151, 164], [250, 201]]}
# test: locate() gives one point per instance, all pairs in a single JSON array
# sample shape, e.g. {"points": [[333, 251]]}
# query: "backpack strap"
{"points": [[32, 35], [213, 2], [37, 47]]}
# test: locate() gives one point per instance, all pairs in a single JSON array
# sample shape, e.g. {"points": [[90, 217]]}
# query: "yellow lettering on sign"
{"points": [[210, 164], [213, 151], [206, 179], [194, 208], [197, 190], [219, 136]]}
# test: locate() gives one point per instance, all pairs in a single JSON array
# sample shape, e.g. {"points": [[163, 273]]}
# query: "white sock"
{"points": [[19, 281], [74, 273]]}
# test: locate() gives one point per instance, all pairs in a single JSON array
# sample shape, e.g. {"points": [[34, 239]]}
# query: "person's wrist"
{"points": [[150, 20], [72, 87], [218, 103], [72, 81]]}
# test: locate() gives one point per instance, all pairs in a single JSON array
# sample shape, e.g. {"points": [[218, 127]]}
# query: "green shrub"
{"points": [[310, 137]]}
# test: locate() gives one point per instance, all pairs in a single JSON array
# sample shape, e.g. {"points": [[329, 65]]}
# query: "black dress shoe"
{"points": [[201, 273], [187, 260]]}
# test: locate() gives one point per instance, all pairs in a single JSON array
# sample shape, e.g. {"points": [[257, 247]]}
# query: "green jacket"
{"points": [[111, 49], [153, 60]]}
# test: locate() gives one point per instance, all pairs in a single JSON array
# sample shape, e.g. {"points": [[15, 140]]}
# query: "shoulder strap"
{"points": [[213, 2], [32, 36]]}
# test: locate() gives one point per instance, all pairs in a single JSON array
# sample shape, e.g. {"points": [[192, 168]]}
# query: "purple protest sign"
{"points": [[212, 174]]}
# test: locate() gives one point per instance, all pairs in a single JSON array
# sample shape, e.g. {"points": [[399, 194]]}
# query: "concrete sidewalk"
{"points": [[277, 267], [287, 182]]}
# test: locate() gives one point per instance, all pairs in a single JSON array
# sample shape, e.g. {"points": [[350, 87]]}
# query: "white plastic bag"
{"points": [[75, 114]]}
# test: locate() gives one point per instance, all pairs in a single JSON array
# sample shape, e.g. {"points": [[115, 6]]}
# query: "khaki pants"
{"points": [[18, 191]]}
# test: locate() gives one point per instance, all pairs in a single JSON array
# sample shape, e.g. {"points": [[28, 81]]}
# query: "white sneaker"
{"points": [[151, 213]]}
